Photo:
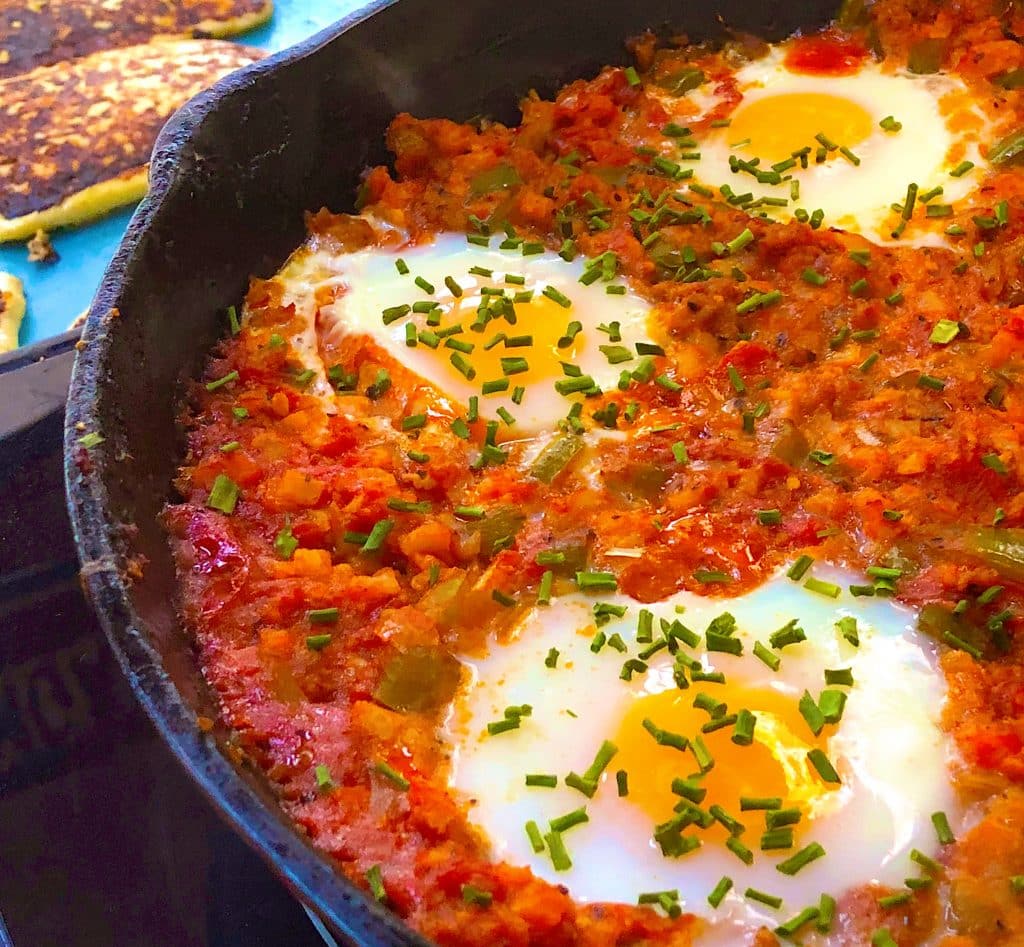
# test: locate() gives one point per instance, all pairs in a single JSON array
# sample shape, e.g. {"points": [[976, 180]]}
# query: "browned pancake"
{"points": [[75, 138], [43, 32]]}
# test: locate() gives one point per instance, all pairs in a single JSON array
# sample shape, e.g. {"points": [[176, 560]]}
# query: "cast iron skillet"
{"points": [[231, 175]]}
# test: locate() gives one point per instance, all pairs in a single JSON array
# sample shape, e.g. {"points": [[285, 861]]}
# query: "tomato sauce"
{"points": [[863, 465]]}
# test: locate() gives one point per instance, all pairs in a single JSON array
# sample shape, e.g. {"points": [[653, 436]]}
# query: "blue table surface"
{"points": [[58, 292]]}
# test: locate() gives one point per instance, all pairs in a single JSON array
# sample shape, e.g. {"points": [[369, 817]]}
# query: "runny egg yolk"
{"points": [[540, 325], [773, 765], [778, 125]]}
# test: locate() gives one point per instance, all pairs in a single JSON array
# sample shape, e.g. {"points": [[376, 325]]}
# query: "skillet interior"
{"points": [[232, 173]]}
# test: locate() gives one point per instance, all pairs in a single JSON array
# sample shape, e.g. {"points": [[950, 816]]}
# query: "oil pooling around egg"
{"points": [[789, 748]]}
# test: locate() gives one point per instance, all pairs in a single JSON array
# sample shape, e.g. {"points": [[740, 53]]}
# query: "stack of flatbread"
{"points": [[85, 87]]}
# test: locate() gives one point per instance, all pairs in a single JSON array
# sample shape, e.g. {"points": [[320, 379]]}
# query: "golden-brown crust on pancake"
{"points": [[36, 33], [75, 138]]}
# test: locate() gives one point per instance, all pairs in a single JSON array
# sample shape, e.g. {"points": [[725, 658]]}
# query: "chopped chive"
{"points": [[777, 839], [942, 829], [720, 891], [565, 822], [832, 703], [318, 642], [711, 576], [823, 766], [604, 756], [790, 633], [463, 367], [755, 803], [544, 780], [754, 895], [559, 856], [894, 900], [778, 818], [762, 653], [842, 676], [890, 124], [377, 535], [596, 581], [994, 462], [392, 775], [224, 494], [740, 850], [574, 385], [828, 589], [544, 589], [409, 506], [961, 169], [665, 737], [471, 894], [797, 571], [811, 713], [705, 761], [826, 912], [882, 938], [848, 629], [622, 783], [222, 381], [557, 296], [376, 882], [801, 859]]}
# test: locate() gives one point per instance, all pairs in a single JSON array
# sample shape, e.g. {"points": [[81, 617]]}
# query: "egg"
{"points": [[890, 757], [866, 137], [551, 328]]}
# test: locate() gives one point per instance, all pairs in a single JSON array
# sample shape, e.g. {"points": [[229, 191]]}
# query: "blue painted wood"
{"points": [[58, 292]]}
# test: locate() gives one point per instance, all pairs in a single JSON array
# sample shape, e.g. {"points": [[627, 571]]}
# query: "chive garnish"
{"points": [[375, 881], [828, 589], [761, 652], [777, 839], [799, 568], [801, 859], [720, 891], [596, 581], [754, 895], [823, 766], [222, 381], [377, 535], [471, 894], [826, 911], [740, 850], [942, 829], [755, 803], [565, 822], [778, 818], [559, 856], [224, 494], [392, 775]]}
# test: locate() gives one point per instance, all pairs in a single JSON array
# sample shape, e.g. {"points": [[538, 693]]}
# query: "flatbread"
{"points": [[12, 311], [37, 33], [75, 138]]}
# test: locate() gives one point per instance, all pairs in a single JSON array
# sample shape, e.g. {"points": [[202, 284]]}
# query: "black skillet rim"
{"points": [[347, 910]]}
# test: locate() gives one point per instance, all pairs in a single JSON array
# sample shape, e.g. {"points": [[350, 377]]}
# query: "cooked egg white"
{"points": [[941, 124], [428, 319], [889, 753]]}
